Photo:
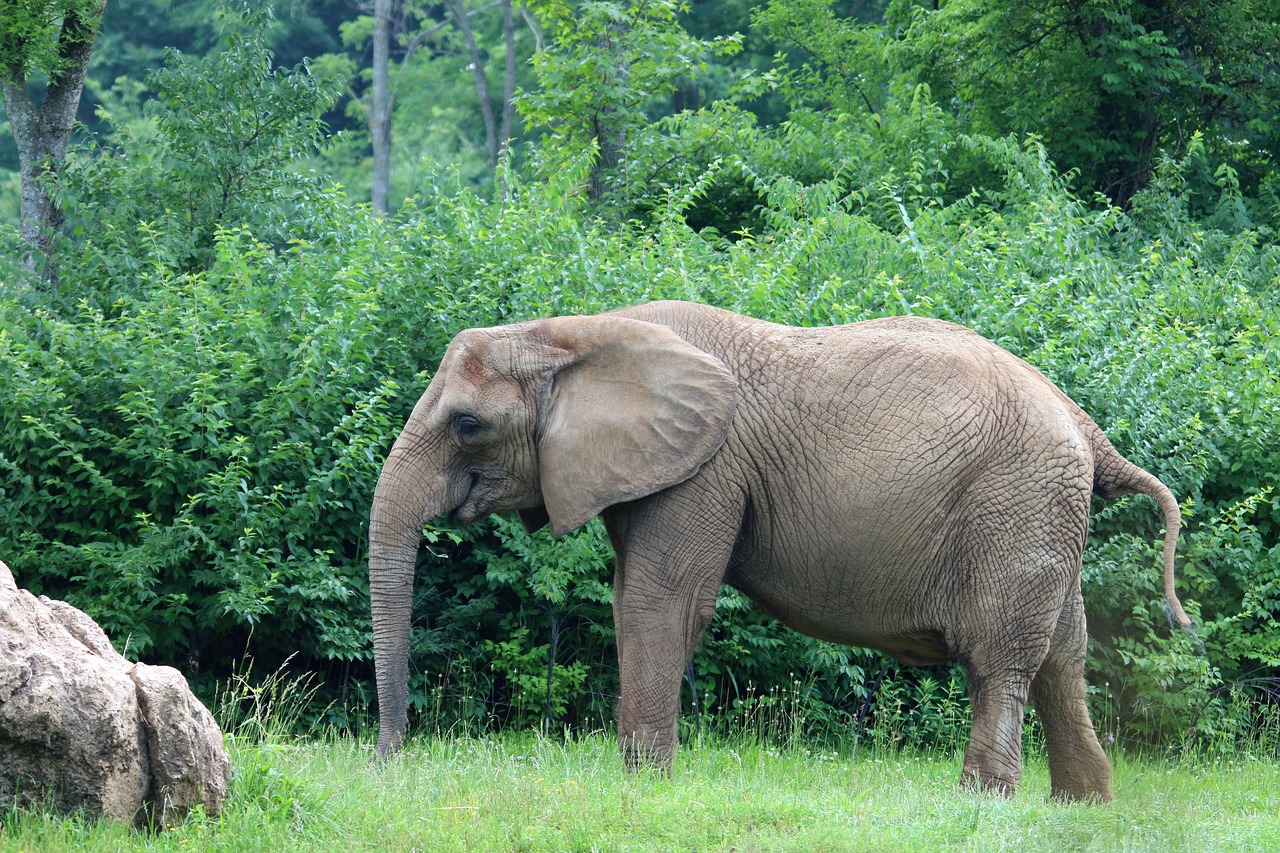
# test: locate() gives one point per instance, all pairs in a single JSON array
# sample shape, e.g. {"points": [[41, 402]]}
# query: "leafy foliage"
{"points": [[184, 466], [1106, 83], [219, 148], [30, 32], [607, 61]]}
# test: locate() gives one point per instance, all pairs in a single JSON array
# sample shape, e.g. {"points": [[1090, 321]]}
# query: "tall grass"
{"points": [[751, 782], [531, 793]]}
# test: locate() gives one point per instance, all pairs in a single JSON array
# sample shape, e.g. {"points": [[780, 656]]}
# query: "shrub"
{"points": [[217, 148]]}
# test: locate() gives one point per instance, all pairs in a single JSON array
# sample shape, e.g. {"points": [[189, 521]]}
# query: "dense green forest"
{"points": [[200, 376]]}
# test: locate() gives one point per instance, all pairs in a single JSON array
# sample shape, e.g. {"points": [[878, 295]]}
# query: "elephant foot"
{"points": [[1096, 796], [390, 742], [1079, 772], [646, 752], [975, 780], [1093, 786]]}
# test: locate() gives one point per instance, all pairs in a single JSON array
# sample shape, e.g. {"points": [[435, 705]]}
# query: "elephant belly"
{"points": [[860, 606], [924, 649], [912, 644]]}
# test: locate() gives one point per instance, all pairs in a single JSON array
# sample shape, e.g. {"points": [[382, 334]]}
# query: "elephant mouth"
{"points": [[468, 510]]}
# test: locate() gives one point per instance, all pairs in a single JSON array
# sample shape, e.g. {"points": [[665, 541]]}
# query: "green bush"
{"points": [[218, 147], [198, 461]]}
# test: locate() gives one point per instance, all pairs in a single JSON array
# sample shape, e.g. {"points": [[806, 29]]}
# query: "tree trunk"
{"points": [[458, 7], [608, 127], [42, 134], [508, 99], [379, 114], [509, 81]]}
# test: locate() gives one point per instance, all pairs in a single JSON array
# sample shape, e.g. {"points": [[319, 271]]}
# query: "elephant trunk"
{"points": [[402, 503]]}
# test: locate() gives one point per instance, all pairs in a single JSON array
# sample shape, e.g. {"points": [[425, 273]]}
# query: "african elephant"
{"points": [[901, 484]]}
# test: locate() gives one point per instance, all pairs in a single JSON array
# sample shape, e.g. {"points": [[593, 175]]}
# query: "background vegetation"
{"points": [[193, 415]]}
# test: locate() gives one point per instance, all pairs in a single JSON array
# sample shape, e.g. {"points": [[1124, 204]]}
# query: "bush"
{"points": [[217, 148]]}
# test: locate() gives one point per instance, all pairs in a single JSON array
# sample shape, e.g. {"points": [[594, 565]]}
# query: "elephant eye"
{"points": [[466, 426]]}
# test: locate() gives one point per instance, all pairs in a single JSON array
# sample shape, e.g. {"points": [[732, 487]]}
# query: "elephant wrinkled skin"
{"points": [[900, 484]]}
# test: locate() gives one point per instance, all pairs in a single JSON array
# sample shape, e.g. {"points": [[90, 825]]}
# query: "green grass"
{"points": [[521, 793]]}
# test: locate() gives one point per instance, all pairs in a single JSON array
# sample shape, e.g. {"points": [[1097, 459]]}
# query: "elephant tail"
{"points": [[1115, 476]]}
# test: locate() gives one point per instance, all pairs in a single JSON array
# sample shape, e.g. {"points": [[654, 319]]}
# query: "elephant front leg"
{"points": [[664, 595], [657, 633], [650, 700]]}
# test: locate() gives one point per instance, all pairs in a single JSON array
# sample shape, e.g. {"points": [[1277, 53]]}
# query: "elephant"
{"points": [[900, 484]]}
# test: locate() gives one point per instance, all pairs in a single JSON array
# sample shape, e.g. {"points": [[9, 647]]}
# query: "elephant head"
{"points": [[557, 418]]}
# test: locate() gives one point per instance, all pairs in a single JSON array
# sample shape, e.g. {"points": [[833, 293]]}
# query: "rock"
{"points": [[183, 743], [82, 729]]}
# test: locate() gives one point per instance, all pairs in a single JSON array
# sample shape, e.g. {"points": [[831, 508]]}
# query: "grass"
{"points": [[523, 793]]}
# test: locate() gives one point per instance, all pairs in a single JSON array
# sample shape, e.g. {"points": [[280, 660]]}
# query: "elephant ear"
{"points": [[628, 409]]}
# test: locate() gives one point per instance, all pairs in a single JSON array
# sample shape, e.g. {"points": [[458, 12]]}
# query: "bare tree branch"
{"points": [[379, 115], [482, 80]]}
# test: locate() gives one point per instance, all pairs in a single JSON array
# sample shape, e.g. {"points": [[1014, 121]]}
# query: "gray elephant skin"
{"points": [[901, 484]]}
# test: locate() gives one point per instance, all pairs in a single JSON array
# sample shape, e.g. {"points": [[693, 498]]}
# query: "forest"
{"points": [[221, 297]]}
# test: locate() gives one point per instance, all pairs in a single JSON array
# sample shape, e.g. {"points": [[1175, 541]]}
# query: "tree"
{"points": [[1106, 83], [44, 41], [845, 69], [496, 137], [406, 36], [225, 135], [604, 64]]}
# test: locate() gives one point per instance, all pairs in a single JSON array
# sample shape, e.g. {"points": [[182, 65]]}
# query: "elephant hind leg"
{"points": [[1078, 768], [1002, 637], [1018, 555], [993, 758]]}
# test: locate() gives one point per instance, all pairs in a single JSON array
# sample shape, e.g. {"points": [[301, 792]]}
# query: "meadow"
{"points": [[523, 792], [263, 390]]}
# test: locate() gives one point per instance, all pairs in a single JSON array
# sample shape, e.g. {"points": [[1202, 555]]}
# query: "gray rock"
{"points": [[82, 729]]}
